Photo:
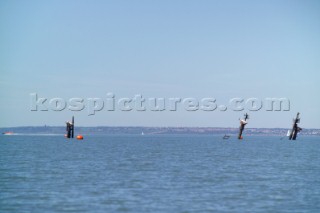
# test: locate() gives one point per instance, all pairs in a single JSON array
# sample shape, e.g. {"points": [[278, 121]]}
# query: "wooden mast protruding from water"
{"points": [[243, 122], [295, 128], [70, 128]]}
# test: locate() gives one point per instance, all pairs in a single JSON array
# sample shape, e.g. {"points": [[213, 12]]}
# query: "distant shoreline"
{"points": [[103, 130]]}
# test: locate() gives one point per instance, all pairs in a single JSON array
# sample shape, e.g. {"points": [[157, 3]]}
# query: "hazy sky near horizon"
{"points": [[198, 49]]}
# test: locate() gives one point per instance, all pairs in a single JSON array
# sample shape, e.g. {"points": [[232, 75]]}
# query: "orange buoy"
{"points": [[79, 137]]}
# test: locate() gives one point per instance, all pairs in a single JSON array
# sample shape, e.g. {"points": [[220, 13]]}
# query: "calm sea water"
{"points": [[159, 174]]}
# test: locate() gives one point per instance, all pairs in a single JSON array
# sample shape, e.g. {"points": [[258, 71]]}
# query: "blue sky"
{"points": [[219, 49]]}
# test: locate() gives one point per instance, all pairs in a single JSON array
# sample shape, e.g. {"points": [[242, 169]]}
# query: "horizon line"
{"points": [[160, 127]]}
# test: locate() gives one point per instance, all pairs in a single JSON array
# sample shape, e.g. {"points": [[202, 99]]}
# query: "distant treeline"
{"points": [[102, 130]]}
